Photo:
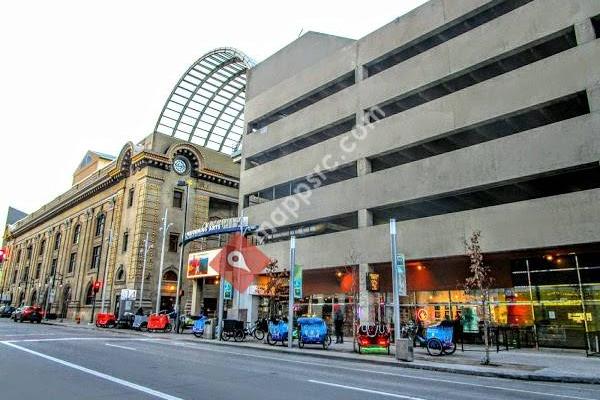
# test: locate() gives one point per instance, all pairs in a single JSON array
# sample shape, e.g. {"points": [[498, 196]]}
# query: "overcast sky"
{"points": [[79, 75]]}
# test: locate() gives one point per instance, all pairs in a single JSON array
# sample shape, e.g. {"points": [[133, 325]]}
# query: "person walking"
{"points": [[338, 322]]}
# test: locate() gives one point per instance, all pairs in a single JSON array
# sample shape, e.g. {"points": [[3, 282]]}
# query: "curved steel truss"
{"points": [[206, 107]]}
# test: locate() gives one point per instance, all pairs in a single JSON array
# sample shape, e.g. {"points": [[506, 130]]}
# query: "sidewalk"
{"points": [[553, 365]]}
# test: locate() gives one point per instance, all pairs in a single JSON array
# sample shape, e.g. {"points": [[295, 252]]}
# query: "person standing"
{"points": [[338, 322]]}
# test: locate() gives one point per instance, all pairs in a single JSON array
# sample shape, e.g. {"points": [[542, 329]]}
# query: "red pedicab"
{"points": [[159, 322], [106, 320]]}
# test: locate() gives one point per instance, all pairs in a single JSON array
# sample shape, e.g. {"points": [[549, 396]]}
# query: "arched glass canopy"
{"points": [[206, 107]]}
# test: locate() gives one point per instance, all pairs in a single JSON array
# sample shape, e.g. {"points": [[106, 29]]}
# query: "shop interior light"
{"points": [[549, 257]]}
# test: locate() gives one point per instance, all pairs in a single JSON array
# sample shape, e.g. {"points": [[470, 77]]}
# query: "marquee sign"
{"points": [[227, 225]]}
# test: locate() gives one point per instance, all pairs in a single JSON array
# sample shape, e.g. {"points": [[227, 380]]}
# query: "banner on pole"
{"points": [[400, 269], [297, 281], [227, 291]]}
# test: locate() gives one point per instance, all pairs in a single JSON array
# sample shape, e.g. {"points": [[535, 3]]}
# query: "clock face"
{"points": [[180, 166]]}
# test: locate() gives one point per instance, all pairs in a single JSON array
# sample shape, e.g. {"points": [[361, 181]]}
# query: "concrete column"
{"points": [[363, 166], [584, 32], [365, 298], [593, 95], [197, 298], [365, 218]]}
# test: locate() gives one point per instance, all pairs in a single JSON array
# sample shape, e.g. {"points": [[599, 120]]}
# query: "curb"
{"points": [[411, 365], [333, 356]]}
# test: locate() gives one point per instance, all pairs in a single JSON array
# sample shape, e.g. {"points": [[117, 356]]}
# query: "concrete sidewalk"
{"points": [[553, 365]]}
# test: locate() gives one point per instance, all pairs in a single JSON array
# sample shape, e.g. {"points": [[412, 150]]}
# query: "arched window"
{"points": [[121, 273], [100, 220], [57, 241], [42, 247], [89, 295], [170, 276], [76, 234]]}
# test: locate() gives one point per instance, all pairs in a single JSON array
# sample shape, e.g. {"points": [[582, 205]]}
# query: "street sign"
{"points": [[128, 294], [227, 291], [400, 269], [298, 282]]}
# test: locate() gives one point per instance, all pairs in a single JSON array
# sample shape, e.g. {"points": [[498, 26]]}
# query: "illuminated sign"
{"points": [[227, 225], [198, 267], [372, 282]]}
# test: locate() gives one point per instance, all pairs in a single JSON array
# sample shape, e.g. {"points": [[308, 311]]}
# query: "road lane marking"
{"points": [[423, 378], [98, 374], [358, 389], [68, 339], [120, 347]]}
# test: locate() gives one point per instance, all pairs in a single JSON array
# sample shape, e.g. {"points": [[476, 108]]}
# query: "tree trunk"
{"points": [[486, 329]]}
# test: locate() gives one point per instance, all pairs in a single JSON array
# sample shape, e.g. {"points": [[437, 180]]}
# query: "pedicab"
{"points": [[313, 331], [140, 323], [199, 326], [438, 339], [233, 328], [159, 322], [278, 332], [106, 320], [372, 338]]}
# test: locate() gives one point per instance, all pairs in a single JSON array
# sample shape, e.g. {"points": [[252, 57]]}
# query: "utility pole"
{"points": [[291, 294], [164, 229], [179, 278], [146, 246], [110, 238], [404, 350]]}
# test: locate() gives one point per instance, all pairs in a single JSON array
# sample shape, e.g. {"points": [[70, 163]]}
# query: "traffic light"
{"points": [[97, 286]]}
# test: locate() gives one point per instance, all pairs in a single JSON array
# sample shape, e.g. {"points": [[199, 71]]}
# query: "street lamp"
{"points": [[110, 235], [181, 183], [164, 230]]}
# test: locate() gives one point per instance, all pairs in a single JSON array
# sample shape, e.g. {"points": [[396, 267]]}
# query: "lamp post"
{"points": [[181, 183], [146, 247], [164, 229], [114, 200]]}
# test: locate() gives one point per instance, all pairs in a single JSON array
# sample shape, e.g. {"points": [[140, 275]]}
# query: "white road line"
{"points": [[101, 375], [69, 339], [358, 389], [120, 347], [423, 378], [28, 334]]}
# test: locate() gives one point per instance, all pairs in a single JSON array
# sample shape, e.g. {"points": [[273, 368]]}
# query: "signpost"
{"points": [[291, 294], [404, 350], [298, 282]]}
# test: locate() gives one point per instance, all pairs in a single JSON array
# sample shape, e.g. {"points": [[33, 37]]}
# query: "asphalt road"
{"points": [[52, 362]]}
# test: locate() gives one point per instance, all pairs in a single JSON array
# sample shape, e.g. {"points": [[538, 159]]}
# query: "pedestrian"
{"points": [[338, 322]]}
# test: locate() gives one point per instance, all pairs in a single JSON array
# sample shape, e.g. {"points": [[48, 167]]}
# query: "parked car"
{"points": [[6, 311], [28, 313]]}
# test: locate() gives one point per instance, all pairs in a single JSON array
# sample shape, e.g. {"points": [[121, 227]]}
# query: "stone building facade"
{"points": [[98, 228]]}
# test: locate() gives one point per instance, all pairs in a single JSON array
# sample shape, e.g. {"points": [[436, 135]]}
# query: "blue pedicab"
{"points": [[439, 339], [140, 323], [278, 332], [198, 327], [313, 331]]}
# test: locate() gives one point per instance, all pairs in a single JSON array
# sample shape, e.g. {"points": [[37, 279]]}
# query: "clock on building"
{"points": [[180, 165]]}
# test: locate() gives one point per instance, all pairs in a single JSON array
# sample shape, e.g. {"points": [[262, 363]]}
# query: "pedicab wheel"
{"points": [[225, 337], [450, 349], [435, 347], [144, 327], [270, 340], [198, 334], [168, 328], [328, 340], [238, 336], [111, 324], [326, 343], [284, 341], [259, 334]]}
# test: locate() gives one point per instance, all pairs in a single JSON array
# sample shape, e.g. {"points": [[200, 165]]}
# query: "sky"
{"points": [[92, 75]]}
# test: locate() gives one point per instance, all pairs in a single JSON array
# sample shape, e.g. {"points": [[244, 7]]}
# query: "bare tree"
{"points": [[351, 270], [479, 284], [276, 288]]}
